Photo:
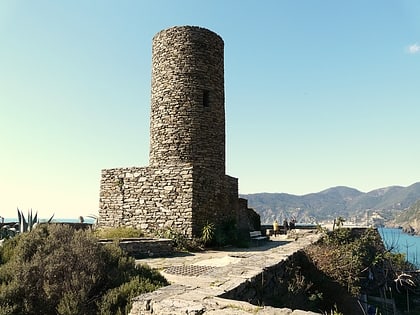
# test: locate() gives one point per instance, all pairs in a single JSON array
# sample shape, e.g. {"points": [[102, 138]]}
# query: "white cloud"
{"points": [[413, 49]]}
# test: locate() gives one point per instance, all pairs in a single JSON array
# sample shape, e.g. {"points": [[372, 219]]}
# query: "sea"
{"points": [[399, 242], [66, 220]]}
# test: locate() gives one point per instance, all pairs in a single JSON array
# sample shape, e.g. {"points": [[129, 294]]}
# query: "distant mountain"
{"points": [[333, 202], [409, 219]]}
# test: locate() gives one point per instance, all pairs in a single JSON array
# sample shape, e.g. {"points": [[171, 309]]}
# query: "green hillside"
{"points": [[410, 214], [334, 202]]}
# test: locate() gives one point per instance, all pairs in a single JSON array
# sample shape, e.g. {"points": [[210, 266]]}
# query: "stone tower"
{"points": [[185, 185], [188, 111]]}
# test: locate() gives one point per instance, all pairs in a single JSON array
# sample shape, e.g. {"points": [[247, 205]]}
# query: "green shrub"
{"points": [[207, 233], [345, 256], [54, 269], [118, 300], [118, 233], [7, 249], [180, 241], [225, 233]]}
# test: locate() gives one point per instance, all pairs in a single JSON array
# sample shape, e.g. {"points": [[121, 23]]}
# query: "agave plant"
{"points": [[27, 224], [7, 231]]}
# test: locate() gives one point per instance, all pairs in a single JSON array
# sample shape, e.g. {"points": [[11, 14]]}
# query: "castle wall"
{"points": [[185, 186], [147, 198], [177, 197], [215, 199]]}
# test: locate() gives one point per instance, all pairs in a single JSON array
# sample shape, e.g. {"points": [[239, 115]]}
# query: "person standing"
{"points": [[275, 227], [292, 224], [285, 226]]}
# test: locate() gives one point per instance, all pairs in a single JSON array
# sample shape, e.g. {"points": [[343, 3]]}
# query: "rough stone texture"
{"points": [[248, 219], [144, 247], [185, 185], [188, 112], [147, 198]]}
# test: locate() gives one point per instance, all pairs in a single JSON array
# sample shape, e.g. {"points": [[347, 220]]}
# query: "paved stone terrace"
{"points": [[198, 279]]}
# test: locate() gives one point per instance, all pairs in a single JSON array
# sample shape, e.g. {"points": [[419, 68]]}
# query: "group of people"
{"points": [[286, 226]]}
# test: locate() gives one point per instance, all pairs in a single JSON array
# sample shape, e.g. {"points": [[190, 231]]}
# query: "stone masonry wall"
{"points": [[215, 199], [185, 186], [147, 198], [144, 247], [154, 198], [187, 122]]}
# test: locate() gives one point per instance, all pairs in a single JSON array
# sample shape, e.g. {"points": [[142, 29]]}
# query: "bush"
{"points": [[180, 241], [225, 233], [118, 233], [207, 233], [345, 256], [118, 300], [7, 249], [57, 270]]}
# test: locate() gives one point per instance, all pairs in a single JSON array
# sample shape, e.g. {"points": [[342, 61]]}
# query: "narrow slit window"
{"points": [[206, 98]]}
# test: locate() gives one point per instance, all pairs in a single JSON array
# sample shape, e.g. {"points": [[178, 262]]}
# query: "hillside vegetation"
{"points": [[345, 263], [410, 219], [54, 269], [333, 202]]}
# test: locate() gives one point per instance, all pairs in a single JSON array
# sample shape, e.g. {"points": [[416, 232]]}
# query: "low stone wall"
{"points": [[263, 286], [144, 247], [238, 289]]}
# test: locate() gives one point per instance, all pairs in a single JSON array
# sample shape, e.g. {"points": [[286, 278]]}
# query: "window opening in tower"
{"points": [[206, 98]]}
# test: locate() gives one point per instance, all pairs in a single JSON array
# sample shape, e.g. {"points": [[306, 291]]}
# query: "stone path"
{"points": [[190, 270], [198, 279]]}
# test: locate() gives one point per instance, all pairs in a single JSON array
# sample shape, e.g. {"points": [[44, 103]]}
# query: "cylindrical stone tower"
{"points": [[187, 123]]}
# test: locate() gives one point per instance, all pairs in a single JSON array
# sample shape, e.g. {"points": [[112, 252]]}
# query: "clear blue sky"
{"points": [[318, 94]]}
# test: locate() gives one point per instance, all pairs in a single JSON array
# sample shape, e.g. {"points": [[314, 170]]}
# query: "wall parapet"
{"points": [[144, 247], [227, 289]]}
